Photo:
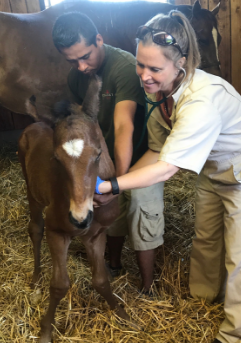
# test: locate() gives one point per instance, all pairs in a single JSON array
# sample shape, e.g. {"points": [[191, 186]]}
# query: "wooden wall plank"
{"points": [[6, 120], [5, 6], [33, 6], [224, 27], [204, 3], [18, 6], [236, 44], [20, 121]]}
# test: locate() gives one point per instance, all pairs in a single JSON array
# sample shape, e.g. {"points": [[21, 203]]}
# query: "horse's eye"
{"points": [[203, 41], [98, 157]]}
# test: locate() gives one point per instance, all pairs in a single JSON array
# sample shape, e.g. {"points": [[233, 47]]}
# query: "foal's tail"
{"points": [[91, 101]]}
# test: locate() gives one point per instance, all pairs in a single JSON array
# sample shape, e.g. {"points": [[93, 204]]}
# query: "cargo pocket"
{"points": [[151, 221]]}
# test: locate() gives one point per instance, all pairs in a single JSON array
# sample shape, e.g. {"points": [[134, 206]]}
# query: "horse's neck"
{"points": [[106, 166]]}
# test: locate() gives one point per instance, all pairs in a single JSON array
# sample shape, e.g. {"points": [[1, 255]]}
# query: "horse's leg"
{"points": [[35, 230], [59, 285], [95, 248], [36, 224]]}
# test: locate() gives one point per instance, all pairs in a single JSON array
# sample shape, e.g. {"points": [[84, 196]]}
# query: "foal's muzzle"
{"points": [[84, 224]]}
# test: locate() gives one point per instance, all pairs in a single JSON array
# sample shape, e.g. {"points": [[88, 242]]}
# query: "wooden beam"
{"points": [[236, 44], [18, 6], [224, 28], [182, 2], [5, 6], [42, 5], [33, 6]]}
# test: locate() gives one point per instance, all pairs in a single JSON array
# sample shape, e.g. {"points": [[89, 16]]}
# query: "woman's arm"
{"points": [[143, 177], [150, 157]]}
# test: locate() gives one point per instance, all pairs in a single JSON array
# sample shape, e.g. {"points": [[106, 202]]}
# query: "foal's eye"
{"points": [[98, 157]]}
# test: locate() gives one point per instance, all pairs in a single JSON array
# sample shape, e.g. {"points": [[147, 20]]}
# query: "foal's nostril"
{"points": [[84, 224]]}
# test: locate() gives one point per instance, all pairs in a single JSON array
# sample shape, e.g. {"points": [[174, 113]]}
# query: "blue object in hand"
{"points": [[98, 182]]}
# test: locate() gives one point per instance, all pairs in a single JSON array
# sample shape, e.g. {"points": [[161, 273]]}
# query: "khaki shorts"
{"points": [[141, 217]]}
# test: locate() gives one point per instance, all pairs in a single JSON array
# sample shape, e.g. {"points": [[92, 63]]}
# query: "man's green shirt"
{"points": [[119, 82]]}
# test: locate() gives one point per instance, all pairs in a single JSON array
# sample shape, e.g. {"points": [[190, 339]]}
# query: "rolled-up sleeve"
{"points": [[197, 127]]}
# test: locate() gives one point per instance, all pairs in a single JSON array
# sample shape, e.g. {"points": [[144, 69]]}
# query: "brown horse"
{"points": [[60, 166], [33, 72]]}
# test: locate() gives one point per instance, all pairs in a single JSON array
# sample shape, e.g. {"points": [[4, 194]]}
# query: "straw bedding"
{"points": [[83, 316]]}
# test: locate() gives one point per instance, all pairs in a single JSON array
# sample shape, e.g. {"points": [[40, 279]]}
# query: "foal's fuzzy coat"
{"points": [[60, 166]]}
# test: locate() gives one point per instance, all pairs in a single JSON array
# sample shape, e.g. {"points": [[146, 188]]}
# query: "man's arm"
{"points": [[123, 127], [124, 114]]}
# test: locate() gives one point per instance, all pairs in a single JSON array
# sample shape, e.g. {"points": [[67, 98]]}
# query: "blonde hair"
{"points": [[177, 25]]}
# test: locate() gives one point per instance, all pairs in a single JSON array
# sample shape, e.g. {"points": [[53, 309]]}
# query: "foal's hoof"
{"points": [[45, 340], [36, 296]]}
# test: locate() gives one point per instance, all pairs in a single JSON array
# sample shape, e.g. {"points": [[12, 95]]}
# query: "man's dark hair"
{"points": [[70, 27]]}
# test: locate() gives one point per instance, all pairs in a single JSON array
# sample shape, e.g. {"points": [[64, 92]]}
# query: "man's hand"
{"points": [[103, 199]]}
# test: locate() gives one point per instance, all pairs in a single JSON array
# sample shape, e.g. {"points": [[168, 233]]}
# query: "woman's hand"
{"points": [[105, 187]]}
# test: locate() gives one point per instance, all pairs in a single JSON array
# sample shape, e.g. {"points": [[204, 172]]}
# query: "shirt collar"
{"points": [[181, 89], [106, 49]]}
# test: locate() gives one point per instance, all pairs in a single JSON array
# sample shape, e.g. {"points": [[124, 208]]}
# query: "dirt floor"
{"points": [[83, 316]]}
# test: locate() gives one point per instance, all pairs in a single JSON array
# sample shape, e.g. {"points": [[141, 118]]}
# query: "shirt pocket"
{"points": [[151, 221]]}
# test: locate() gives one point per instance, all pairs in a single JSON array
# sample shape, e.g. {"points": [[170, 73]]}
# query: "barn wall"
{"points": [[229, 23]]}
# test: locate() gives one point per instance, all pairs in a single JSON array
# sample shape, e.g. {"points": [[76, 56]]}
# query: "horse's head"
{"points": [[77, 147], [204, 23]]}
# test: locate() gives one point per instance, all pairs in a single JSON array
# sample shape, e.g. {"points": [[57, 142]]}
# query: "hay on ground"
{"points": [[83, 316]]}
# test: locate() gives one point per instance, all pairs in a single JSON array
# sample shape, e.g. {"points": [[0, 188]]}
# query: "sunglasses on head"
{"points": [[159, 37]]}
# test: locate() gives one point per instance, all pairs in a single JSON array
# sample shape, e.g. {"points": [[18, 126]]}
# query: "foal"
{"points": [[60, 166]]}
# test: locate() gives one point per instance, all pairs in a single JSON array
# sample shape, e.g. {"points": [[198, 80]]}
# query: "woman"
{"points": [[196, 126]]}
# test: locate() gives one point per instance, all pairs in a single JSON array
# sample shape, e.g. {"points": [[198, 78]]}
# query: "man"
{"points": [[121, 120]]}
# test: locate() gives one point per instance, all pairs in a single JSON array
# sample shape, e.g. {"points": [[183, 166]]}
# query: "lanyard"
{"points": [[147, 115]]}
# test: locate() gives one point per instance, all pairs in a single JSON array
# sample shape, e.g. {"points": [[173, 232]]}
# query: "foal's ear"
{"points": [[196, 8], [62, 109], [90, 104]]}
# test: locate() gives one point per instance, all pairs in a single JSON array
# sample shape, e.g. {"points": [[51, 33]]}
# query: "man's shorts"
{"points": [[141, 217]]}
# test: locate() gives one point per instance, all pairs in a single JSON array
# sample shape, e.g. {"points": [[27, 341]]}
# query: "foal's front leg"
{"points": [[59, 285], [35, 230], [95, 248]]}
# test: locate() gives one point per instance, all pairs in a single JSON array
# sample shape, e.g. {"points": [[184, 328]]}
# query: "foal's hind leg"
{"points": [[95, 248], [59, 285], [35, 230]]}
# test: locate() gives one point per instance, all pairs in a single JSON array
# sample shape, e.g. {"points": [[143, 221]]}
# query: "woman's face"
{"points": [[155, 70]]}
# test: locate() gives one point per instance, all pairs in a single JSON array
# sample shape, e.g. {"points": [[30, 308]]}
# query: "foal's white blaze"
{"points": [[74, 148], [215, 38]]}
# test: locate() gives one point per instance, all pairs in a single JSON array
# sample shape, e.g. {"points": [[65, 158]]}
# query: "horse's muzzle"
{"points": [[85, 224]]}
